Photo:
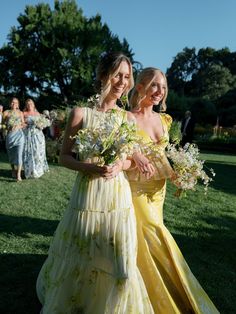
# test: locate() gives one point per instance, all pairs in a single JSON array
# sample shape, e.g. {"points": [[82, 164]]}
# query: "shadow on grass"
{"points": [[5, 175], [225, 179], [204, 151], [211, 255], [22, 225], [17, 283], [3, 157], [214, 270]]}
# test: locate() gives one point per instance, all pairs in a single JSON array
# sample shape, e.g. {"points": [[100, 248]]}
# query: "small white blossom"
{"points": [[188, 167], [41, 122]]}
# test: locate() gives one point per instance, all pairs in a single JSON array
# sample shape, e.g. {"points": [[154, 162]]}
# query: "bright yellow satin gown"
{"points": [[171, 286]]}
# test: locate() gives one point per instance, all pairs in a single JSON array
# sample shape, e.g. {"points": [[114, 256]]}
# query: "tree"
{"points": [[55, 52], [226, 106], [176, 105], [205, 77], [181, 70], [205, 57], [216, 80]]}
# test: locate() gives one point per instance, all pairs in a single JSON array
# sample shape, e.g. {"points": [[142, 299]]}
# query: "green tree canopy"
{"points": [[206, 76], [182, 69], [54, 52], [216, 80]]}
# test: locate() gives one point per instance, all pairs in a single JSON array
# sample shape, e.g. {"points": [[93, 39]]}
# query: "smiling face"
{"points": [[151, 89], [120, 82], [154, 91], [14, 105], [29, 105], [114, 77]]}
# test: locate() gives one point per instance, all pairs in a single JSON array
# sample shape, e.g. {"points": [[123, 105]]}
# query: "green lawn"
{"points": [[204, 228]]}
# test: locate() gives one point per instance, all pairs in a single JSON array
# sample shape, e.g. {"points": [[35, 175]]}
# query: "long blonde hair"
{"points": [[108, 68], [145, 78], [26, 104]]}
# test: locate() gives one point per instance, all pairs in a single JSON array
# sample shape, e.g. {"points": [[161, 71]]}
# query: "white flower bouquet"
{"points": [[13, 121], [113, 139], [188, 168], [41, 122]]}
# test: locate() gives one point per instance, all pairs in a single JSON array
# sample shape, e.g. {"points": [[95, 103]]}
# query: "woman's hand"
{"points": [[173, 177], [112, 171], [144, 165], [106, 171]]}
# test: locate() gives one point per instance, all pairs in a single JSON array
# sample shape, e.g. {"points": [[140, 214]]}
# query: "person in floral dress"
{"points": [[14, 121], [35, 161], [91, 265]]}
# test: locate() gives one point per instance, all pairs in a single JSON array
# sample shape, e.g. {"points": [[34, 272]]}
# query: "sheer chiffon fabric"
{"points": [[35, 161], [91, 265], [15, 145]]}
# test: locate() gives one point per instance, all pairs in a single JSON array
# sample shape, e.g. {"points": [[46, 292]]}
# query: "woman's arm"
{"points": [[144, 165], [23, 124], [123, 165], [128, 164], [138, 159], [4, 116]]}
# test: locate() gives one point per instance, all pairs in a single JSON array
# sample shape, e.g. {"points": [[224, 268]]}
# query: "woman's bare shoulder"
{"points": [[77, 112], [131, 116]]}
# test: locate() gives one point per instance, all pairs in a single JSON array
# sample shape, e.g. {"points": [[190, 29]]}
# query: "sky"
{"points": [[155, 30]]}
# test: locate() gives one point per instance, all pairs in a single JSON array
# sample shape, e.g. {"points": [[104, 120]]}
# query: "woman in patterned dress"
{"points": [[91, 266], [35, 161], [14, 121]]}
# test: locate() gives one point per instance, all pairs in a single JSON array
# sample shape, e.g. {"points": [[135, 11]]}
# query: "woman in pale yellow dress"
{"points": [[172, 288], [91, 266]]}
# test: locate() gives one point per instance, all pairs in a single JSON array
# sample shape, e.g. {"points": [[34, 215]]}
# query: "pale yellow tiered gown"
{"points": [[171, 286], [91, 266]]}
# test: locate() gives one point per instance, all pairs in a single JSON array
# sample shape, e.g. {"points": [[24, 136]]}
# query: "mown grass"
{"points": [[203, 226]]}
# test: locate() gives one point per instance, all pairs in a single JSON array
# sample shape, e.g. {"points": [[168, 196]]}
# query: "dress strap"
{"points": [[87, 114], [166, 121]]}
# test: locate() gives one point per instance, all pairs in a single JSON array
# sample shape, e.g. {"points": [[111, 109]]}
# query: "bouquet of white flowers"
{"points": [[111, 140], [13, 121], [41, 122], [188, 168], [185, 161]]}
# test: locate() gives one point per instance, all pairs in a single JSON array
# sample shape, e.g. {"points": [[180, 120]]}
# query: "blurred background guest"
{"points": [[2, 142], [14, 121], [35, 162], [46, 131], [1, 112], [54, 128], [187, 128]]}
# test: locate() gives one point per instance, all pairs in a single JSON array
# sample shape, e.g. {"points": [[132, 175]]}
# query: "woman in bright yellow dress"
{"points": [[171, 286], [91, 266]]}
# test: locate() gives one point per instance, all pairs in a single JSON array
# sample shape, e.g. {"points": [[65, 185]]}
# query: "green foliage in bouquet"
{"points": [[175, 132]]}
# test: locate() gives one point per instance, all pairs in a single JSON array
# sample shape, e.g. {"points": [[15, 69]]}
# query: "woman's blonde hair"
{"points": [[26, 104], [145, 78], [108, 68]]}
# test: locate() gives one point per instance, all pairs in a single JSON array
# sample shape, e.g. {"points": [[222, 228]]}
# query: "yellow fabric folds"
{"points": [[171, 286]]}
